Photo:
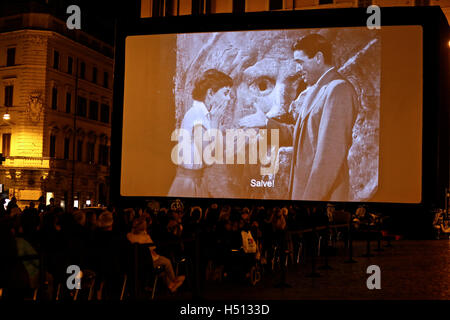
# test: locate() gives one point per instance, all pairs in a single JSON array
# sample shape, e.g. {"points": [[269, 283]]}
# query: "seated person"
{"points": [[445, 228], [139, 235], [170, 238], [211, 217], [103, 257], [362, 218]]}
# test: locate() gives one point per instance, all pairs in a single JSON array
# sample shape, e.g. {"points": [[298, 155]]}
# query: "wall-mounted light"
{"points": [[6, 116]]}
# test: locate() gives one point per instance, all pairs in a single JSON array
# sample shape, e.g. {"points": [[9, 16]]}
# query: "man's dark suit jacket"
{"points": [[321, 137]]}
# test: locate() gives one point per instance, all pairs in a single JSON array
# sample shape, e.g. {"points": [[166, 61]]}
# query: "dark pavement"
{"points": [[409, 270]]}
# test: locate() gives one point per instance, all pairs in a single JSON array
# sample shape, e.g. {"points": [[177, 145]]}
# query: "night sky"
{"points": [[97, 16]]}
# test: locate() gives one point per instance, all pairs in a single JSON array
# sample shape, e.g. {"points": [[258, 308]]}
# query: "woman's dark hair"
{"points": [[313, 43], [210, 79]]}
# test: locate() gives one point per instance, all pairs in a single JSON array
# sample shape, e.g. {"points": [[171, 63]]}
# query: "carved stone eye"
{"points": [[262, 86]]}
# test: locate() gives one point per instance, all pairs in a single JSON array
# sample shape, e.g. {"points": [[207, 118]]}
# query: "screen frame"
{"points": [[431, 19]]}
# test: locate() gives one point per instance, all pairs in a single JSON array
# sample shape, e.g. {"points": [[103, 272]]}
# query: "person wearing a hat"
{"points": [[139, 235]]}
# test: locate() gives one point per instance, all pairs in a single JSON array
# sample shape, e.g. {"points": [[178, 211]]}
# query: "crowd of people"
{"points": [[97, 240]]}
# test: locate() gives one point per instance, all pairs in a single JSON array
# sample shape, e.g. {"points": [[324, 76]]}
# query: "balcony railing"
{"points": [[27, 162], [51, 163], [84, 167]]}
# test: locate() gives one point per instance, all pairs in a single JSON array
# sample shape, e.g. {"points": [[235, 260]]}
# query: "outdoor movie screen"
{"points": [[331, 114]]}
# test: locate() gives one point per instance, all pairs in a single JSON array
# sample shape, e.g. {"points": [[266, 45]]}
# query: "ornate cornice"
{"points": [[33, 36]]}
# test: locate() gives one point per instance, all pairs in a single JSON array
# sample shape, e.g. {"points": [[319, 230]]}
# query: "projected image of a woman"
{"points": [[211, 97]]}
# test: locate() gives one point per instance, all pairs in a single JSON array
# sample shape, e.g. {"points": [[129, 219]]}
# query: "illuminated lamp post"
{"points": [[72, 202]]}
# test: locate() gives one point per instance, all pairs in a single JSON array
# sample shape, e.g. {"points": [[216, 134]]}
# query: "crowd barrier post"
{"points": [[313, 273], [350, 244], [326, 266]]}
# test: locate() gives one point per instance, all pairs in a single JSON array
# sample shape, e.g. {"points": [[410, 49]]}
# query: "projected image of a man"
{"points": [[211, 96], [322, 134]]}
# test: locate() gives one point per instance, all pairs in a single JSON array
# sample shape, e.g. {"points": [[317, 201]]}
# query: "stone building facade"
{"points": [[154, 8], [56, 141]]}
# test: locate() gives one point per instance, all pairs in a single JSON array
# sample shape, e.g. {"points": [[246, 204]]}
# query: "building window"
{"points": [[104, 113], [238, 6], [10, 57], [169, 7], [201, 7], [80, 150], [163, 7], [90, 152], [6, 144], [66, 148], [100, 154], [106, 157], [105, 79], [208, 6], [103, 154], [158, 8], [364, 3], [93, 110], [9, 90], [81, 107], [69, 65], [101, 193], [82, 70], [422, 2], [94, 75], [52, 146], [54, 98], [68, 102], [278, 4], [56, 60]]}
